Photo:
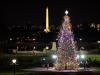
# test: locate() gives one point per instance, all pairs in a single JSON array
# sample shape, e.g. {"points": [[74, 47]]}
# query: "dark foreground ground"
{"points": [[53, 73], [62, 73], [45, 71]]}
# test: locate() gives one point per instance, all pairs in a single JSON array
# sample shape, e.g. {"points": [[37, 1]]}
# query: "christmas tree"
{"points": [[66, 47]]}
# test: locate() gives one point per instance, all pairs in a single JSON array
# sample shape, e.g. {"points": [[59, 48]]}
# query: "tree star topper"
{"points": [[66, 12]]}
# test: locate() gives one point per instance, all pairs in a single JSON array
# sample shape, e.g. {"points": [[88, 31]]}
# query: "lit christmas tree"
{"points": [[66, 47]]}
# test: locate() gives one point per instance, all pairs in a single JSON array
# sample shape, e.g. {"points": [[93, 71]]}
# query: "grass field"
{"points": [[94, 57]]}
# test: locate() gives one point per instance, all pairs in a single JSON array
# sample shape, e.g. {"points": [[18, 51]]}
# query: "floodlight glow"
{"points": [[82, 56], [14, 61], [66, 12], [77, 57], [54, 56]]}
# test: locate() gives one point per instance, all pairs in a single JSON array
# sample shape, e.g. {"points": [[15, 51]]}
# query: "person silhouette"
{"points": [[47, 65]]}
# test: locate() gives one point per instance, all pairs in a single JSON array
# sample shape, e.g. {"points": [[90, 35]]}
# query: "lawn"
{"points": [[94, 57]]}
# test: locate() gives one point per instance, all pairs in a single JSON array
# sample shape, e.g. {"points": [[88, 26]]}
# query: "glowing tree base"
{"points": [[70, 65]]}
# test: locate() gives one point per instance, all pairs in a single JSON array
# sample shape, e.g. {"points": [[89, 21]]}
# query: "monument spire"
{"points": [[47, 21]]}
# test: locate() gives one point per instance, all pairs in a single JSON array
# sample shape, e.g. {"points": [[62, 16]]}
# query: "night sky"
{"points": [[20, 12]]}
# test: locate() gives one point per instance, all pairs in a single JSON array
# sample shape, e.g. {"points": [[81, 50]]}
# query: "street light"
{"points": [[54, 56], [82, 57], [10, 39], [80, 39], [47, 47], [83, 60], [14, 63], [33, 39]]}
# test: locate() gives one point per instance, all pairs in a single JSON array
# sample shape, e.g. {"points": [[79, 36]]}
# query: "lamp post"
{"points": [[83, 60], [54, 58], [14, 63], [80, 42]]}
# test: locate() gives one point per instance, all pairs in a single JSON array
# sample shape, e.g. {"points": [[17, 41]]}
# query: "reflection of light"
{"points": [[14, 61], [54, 56], [82, 56]]}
